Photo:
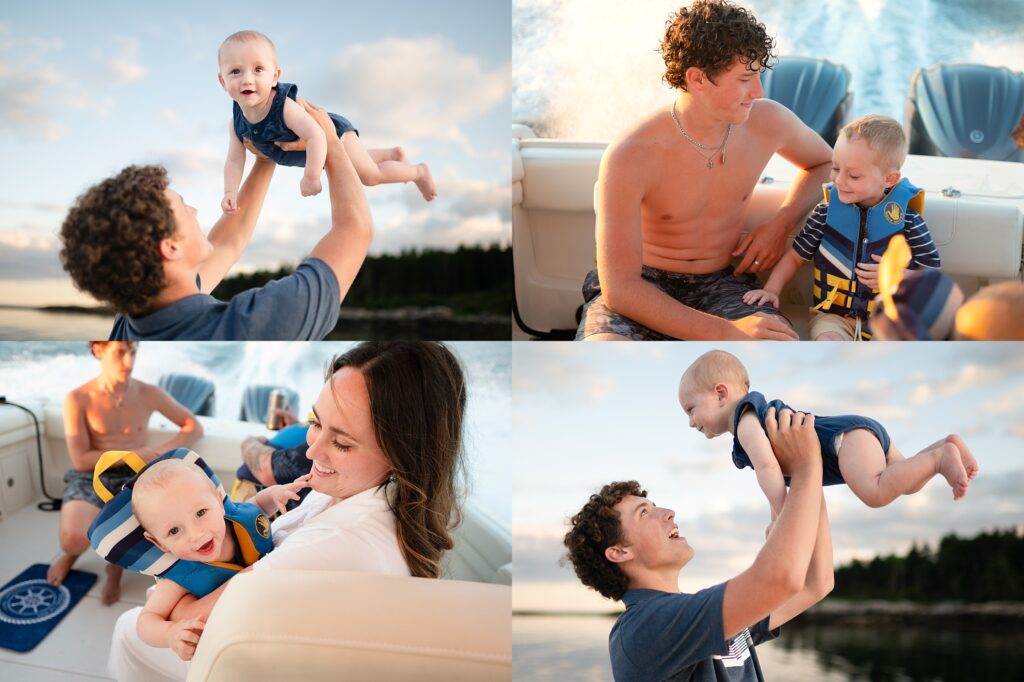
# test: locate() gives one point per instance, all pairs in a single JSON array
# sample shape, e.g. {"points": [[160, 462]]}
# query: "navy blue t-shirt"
{"points": [[670, 636], [302, 306]]}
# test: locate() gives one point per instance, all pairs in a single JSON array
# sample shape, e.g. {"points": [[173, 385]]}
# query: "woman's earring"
{"points": [[393, 478]]}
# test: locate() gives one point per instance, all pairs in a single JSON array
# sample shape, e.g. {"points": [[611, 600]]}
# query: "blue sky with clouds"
{"points": [[91, 88], [587, 414]]}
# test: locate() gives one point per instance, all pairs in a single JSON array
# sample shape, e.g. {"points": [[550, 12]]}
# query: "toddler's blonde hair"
{"points": [[883, 135], [714, 367]]}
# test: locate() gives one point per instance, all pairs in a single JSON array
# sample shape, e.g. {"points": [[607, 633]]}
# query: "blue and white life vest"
{"points": [[117, 536], [851, 234]]}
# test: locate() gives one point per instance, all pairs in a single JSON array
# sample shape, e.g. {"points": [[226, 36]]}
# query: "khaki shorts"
{"points": [[827, 322]]}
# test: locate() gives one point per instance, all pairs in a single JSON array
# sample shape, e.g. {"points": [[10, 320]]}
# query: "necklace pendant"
{"points": [[723, 157], [711, 163]]}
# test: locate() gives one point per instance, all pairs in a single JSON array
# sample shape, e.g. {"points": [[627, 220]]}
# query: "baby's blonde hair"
{"points": [[883, 135], [714, 367], [246, 37], [160, 474]]}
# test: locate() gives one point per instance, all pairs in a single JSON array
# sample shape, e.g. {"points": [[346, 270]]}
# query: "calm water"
{"points": [[49, 369], [24, 324], [567, 649], [561, 48]]}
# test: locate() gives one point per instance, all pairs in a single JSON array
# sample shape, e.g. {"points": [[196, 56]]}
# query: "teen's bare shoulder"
{"points": [[81, 395], [766, 114], [639, 143]]}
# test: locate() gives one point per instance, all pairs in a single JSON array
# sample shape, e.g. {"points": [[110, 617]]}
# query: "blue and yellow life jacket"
{"points": [[117, 536], [850, 235]]}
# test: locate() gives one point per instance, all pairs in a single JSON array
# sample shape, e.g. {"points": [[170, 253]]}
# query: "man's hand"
{"points": [[184, 636], [760, 297], [310, 186], [229, 204], [867, 273], [762, 247], [758, 326], [260, 156], [321, 117], [793, 439]]}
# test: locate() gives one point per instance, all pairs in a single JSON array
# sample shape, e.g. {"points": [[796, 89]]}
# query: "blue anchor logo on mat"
{"points": [[33, 601]]}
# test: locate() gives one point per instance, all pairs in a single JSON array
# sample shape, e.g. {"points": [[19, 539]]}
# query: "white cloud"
{"points": [[397, 90], [125, 66], [1008, 401]]}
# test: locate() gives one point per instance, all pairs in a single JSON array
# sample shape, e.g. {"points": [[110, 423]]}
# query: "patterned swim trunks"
{"points": [[717, 293], [78, 484]]}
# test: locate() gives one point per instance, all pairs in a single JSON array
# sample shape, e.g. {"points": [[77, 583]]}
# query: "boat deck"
{"points": [[77, 648]]}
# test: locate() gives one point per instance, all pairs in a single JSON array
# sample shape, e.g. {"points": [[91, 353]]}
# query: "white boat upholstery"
{"points": [[329, 625], [324, 625], [979, 234]]}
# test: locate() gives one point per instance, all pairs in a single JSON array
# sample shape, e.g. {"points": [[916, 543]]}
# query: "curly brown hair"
{"points": [[594, 529], [112, 237], [417, 393], [711, 35]]}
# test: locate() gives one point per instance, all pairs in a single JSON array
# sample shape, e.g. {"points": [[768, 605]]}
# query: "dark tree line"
{"points": [[987, 567], [471, 279]]}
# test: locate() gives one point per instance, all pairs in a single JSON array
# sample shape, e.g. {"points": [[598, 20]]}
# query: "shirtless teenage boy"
{"points": [[673, 192], [110, 412]]}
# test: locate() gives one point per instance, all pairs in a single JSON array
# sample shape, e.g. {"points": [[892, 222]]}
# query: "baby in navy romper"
{"points": [[265, 112], [715, 394]]}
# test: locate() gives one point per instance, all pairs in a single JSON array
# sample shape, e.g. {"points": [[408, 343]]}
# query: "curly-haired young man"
{"points": [[627, 548], [674, 189], [134, 243]]}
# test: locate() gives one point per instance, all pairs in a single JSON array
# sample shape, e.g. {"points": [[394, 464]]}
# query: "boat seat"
{"points": [[332, 625], [979, 230], [278, 625], [195, 393], [966, 111], [816, 90]]}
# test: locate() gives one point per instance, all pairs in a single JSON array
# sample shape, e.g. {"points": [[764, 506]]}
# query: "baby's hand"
{"points": [[760, 297], [184, 636], [229, 204], [283, 494], [309, 186], [867, 273]]}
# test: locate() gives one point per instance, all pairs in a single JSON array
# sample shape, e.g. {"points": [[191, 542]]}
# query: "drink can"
{"points": [[276, 402]]}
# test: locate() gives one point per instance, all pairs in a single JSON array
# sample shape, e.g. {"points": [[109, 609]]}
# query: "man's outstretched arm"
{"points": [[780, 571], [344, 246], [820, 576], [233, 231]]}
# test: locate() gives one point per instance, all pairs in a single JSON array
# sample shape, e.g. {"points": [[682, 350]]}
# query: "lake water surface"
{"points": [[569, 648]]}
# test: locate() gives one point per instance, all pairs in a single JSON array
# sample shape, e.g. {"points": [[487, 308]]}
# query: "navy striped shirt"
{"points": [[924, 254]]}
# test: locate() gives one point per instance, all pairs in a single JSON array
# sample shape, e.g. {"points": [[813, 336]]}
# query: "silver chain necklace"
{"points": [[714, 150]]}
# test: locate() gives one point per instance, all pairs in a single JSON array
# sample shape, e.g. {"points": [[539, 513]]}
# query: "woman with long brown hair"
{"points": [[386, 445]]}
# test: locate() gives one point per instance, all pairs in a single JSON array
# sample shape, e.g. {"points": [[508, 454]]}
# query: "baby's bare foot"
{"points": [[970, 464], [425, 182], [951, 467], [59, 569], [398, 154]]}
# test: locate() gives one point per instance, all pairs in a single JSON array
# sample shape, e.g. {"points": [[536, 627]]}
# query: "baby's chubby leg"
{"points": [[863, 465], [374, 169]]}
